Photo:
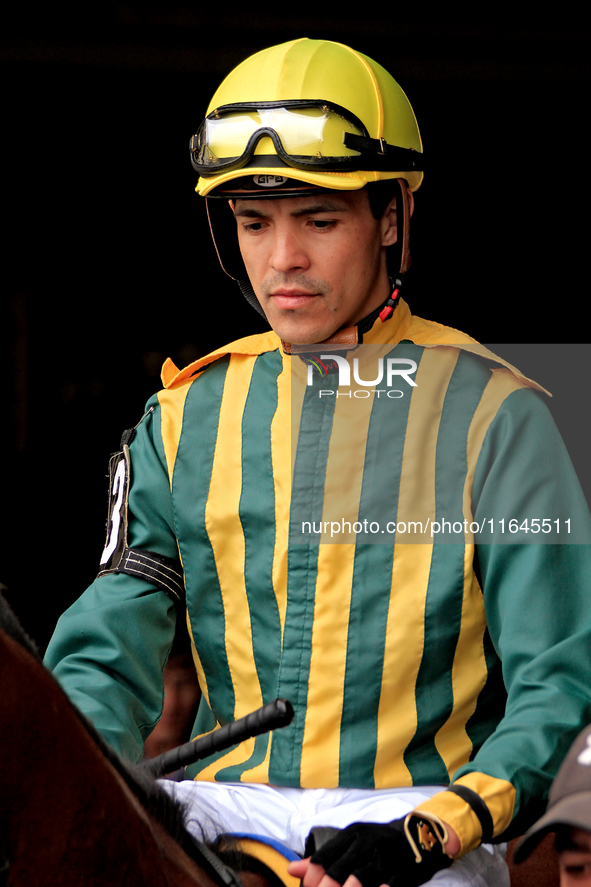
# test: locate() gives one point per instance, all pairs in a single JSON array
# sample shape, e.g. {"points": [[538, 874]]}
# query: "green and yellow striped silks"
{"points": [[406, 662], [381, 648]]}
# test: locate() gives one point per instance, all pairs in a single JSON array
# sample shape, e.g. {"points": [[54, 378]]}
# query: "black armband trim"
{"points": [[157, 569], [165, 573], [478, 806]]}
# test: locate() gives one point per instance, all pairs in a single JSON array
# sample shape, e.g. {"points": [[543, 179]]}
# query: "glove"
{"points": [[403, 853]]}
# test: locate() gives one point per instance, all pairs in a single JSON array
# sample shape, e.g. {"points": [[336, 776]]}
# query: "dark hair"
{"points": [[380, 194]]}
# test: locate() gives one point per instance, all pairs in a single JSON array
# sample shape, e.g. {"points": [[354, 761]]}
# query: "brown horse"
{"points": [[70, 812]]}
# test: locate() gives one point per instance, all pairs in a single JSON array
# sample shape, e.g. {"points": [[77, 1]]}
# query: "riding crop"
{"points": [[271, 716]]}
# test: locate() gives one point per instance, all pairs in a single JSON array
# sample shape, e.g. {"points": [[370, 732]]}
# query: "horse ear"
{"points": [[10, 624]]}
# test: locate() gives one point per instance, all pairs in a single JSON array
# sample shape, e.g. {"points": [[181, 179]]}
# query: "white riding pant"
{"points": [[288, 814]]}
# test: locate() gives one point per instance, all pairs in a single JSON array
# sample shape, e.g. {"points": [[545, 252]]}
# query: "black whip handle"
{"points": [[271, 716]]}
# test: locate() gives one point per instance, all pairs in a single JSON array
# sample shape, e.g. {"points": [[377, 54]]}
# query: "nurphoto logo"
{"points": [[389, 371]]}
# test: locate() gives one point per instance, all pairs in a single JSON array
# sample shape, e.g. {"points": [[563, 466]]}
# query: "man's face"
{"points": [[316, 264], [574, 858]]}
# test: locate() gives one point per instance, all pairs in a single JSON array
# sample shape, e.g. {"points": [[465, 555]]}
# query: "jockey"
{"points": [[342, 544], [568, 816]]}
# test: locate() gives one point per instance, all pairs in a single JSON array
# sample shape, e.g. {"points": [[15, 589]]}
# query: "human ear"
{"points": [[389, 221]]}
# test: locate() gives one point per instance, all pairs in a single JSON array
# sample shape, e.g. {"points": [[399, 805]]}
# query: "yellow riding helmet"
{"points": [[313, 111]]}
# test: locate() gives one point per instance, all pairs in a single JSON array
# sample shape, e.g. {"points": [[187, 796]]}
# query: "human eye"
{"points": [[576, 867], [322, 224], [254, 227]]}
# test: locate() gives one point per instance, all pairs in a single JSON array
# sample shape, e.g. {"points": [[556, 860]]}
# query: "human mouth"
{"points": [[292, 298]]}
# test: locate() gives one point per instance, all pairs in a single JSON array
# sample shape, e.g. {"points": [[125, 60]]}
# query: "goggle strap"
{"points": [[379, 155]]}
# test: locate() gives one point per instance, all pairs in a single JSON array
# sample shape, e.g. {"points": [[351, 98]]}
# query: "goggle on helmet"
{"points": [[313, 111], [305, 135]]}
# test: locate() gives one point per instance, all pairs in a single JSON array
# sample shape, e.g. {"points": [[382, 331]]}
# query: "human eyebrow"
{"points": [[317, 208], [310, 210], [567, 841], [249, 213], [577, 846]]}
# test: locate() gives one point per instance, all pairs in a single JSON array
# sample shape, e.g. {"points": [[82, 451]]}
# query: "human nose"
{"points": [[288, 252]]}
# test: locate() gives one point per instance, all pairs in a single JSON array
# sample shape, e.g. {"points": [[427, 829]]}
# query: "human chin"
{"points": [[299, 330], [298, 319]]}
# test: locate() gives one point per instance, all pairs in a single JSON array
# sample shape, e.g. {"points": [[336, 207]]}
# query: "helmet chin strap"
{"points": [[248, 293]]}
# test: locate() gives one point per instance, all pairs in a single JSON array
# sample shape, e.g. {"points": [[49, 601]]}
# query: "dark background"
{"points": [[108, 267]]}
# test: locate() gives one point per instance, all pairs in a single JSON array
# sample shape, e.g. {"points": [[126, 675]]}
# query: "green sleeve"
{"points": [[110, 647], [537, 599]]}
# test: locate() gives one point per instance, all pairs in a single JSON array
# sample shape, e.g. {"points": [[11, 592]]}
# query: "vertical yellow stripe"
{"points": [[172, 406], [468, 672], [284, 430], [321, 743], [222, 521], [403, 650], [342, 492], [501, 384], [225, 533], [417, 488], [283, 444], [197, 662], [397, 718], [469, 668], [346, 462]]}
